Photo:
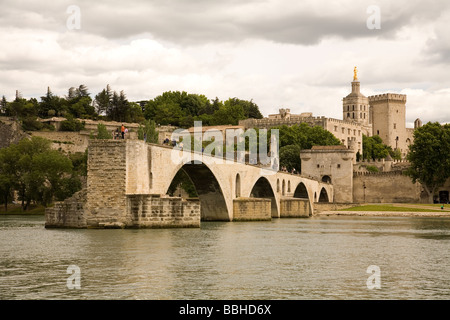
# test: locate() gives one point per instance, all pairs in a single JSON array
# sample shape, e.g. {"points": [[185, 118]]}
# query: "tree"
{"points": [[71, 124], [102, 100], [51, 102], [3, 104], [8, 173], [429, 157], [290, 157], [183, 181], [148, 132], [102, 132], [374, 148], [34, 170]]}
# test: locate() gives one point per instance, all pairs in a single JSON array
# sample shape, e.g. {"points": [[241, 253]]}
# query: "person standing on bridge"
{"points": [[122, 129]]}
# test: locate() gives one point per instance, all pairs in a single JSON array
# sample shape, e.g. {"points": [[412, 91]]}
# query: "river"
{"points": [[289, 259]]}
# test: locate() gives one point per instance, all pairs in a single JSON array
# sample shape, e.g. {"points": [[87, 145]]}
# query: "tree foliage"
{"points": [[429, 157], [375, 149], [298, 137], [35, 171], [182, 109], [148, 132]]}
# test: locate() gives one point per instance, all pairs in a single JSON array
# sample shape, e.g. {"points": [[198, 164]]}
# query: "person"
{"points": [[122, 129]]}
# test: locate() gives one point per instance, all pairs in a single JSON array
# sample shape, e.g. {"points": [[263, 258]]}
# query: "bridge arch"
{"points": [[263, 189], [213, 204], [323, 197], [301, 191]]}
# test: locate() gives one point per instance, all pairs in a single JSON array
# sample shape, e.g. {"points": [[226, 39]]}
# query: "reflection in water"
{"points": [[315, 258]]}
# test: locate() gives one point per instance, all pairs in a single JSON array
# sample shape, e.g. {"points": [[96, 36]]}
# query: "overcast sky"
{"points": [[282, 54]]}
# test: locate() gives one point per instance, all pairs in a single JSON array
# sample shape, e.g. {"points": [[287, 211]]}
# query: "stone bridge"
{"points": [[128, 181]]}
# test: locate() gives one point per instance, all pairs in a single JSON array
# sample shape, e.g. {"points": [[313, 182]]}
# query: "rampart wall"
{"points": [[385, 187]]}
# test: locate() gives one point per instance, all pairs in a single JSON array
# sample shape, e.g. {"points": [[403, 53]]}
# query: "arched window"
{"points": [[289, 186], [283, 188], [326, 179]]}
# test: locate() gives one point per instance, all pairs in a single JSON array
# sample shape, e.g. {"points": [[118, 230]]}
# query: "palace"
{"points": [[383, 115]]}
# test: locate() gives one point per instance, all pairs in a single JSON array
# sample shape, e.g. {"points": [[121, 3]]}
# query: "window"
{"points": [[349, 131], [360, 115], [343, 130], [395, 126], [335, 128], [378, 132], [339, 166]]}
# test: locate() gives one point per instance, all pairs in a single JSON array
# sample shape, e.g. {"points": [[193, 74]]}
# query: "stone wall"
{"points": [[69, 213], [10, 132], [246, 209], [64, 140], [385, 187], [294, 208], [106, 183], [153, 211]]}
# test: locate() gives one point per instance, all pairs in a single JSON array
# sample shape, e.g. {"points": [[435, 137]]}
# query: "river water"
{"points": [[313, 258]]}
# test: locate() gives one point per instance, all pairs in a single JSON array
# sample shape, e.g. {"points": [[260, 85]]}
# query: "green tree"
{"points": [[3, 104], [71, 124], [51, 102], [429, 157], [374, 148], [290, 157], [49, 172], [102, 100], [8, 173], [148, 132], [182, 180], [79, 102], [34, 170], [102, 132]]}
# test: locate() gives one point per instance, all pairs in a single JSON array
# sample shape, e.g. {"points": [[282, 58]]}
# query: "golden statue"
{"points": [[355, 74]]}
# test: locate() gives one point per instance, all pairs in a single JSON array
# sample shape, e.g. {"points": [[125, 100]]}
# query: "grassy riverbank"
{"points": [[393, 209], [397, 208], [17, 209]]}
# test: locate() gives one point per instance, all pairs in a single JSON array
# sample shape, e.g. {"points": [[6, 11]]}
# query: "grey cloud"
{"points": [[200, 21]]}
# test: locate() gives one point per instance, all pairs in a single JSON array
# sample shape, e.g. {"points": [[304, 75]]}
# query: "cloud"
{"points": [[295, 54]]}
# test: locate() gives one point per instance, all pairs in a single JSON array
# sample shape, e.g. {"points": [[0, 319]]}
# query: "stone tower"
{"points": [[388, 114], [356, 105]]}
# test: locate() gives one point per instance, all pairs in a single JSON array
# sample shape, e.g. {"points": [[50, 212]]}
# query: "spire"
{"points": [[355, 74], [355, 82]]}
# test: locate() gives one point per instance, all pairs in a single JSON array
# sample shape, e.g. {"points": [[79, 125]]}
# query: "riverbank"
{"points": [[385, 213], [392, 210], [17, 210]]}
